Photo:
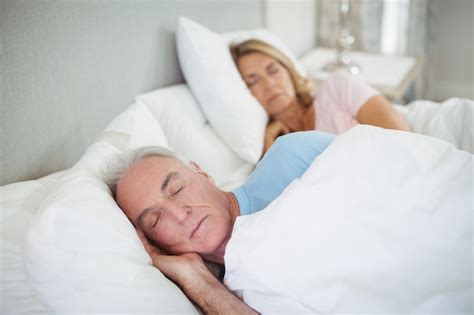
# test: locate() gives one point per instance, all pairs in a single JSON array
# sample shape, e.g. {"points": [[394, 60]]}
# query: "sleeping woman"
{"points": [[291, 104]]}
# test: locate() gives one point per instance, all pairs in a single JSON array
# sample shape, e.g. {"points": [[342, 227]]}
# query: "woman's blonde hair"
{"points": [[302, 85]]}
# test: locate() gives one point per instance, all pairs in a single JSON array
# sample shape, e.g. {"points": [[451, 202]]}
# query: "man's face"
{"points": [[176, 206]]}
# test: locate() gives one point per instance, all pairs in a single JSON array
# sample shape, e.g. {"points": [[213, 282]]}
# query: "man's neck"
{"points": [[233, 208]]}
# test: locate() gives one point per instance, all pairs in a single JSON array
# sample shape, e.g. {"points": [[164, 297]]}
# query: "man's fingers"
{"points": [[151, 249], [140, 234], [176, 268], [180, 268], [142, 237]]}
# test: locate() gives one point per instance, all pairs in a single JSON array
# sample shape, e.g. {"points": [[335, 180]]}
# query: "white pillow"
{"points": [[192, 137], [81, 253], [451, 120], [213, 78], [133, 128]]}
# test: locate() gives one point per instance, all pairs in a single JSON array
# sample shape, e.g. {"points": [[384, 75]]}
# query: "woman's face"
{"points": [[268, 81]]}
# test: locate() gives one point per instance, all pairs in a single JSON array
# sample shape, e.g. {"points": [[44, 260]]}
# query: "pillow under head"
{"points": [[214, 79], [82, 254]]}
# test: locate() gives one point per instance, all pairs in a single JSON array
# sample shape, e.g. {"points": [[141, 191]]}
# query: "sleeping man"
{"points": [[177, 207]]}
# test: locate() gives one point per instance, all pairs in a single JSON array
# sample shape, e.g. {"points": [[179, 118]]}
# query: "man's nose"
{"points": [[180, 212]]}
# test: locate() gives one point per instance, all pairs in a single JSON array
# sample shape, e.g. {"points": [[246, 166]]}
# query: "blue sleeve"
{"points": [[287, 159]]}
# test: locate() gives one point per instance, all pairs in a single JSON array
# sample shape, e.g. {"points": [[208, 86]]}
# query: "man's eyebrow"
{"points": [[165, 184], [168, 178]]}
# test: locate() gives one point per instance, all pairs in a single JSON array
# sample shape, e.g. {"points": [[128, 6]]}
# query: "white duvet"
{"points": [[451, 120], [380, 222]]}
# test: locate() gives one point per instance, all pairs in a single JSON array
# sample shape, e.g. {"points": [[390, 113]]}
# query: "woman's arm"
{"points": [[378, 111]]}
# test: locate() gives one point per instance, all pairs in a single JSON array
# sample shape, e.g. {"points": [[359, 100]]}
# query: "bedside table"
{"points": [[391, 75]]}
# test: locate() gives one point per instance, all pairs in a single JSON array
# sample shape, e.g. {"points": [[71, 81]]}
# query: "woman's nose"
{"points": [[269, 81]]}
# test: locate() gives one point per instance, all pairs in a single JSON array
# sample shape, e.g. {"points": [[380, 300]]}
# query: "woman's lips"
{"points": [[198, 226], [274, 96]]}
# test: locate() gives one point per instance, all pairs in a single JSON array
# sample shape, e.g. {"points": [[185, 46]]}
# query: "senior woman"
{"points": [[291, 104]]}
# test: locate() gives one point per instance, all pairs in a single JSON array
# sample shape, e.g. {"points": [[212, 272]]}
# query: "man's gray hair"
{"points": [[120, 163]]}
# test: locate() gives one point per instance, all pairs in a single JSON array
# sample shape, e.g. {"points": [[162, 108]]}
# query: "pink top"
{"points": [[339, 100]]}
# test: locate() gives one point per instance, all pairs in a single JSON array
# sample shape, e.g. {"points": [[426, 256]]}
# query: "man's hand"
{"points": [[200, 285], [180, 269]]}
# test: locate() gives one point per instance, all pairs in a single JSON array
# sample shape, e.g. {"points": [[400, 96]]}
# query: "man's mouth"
{"points": [[198, 226]]}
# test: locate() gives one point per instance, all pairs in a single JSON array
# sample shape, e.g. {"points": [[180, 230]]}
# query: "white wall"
{"points": [[450, 49], [68, 67], [294, 21]]}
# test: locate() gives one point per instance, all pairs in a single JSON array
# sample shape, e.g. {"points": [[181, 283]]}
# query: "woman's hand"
{"points": [[295, 117], [274, 130]]}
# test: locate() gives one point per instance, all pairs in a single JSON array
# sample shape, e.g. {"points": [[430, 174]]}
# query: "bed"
{"points": [[21, 201], [174, 116]]}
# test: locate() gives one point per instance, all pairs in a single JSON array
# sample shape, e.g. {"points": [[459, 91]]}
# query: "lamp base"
{"points": [[349, 66]]}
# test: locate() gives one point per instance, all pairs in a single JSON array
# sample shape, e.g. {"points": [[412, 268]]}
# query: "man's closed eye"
{"points": [[178, 190], [156, 220]]}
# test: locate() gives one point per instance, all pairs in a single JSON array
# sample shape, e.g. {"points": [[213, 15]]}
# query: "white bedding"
{"points": [[380, 223], [19, 203], [187, 131], [451, 120]]}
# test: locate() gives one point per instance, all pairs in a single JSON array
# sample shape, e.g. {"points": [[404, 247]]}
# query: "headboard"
{"points": [[69, 67]]}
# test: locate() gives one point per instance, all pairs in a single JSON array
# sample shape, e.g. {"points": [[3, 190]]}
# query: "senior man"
{"points": [[178, 207]]}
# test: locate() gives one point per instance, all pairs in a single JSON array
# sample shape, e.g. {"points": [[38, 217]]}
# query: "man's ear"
{"points": [[196, 168]]}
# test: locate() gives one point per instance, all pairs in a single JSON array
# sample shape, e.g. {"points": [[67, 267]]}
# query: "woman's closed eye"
{"points": [[273, 69], [251, 81]]}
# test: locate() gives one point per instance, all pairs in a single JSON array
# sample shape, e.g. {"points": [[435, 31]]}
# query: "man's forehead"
{"points": [[154, 168], [144, 180], [163, 164]]}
